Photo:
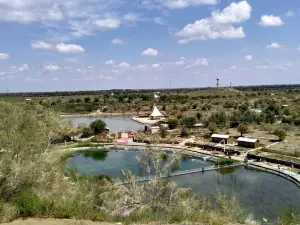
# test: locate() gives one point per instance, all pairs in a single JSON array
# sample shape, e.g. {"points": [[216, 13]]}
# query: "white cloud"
{"points": [[132, 17], [124, 65], [55, 79], [69, 48], [109, 62], [108, 23], [202, 62], [156, 65], [274, 45], [150, 52], [159, 20], [233, 67], [248, 57], [41, 45], [298, 48], [219, 25], [180, 62], [270, 21], [51, 68], [23, 68], [117, 41], [4, 56], [290, 13], [176, 4]]}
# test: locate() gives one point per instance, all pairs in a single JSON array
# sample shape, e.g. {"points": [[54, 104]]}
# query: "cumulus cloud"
{"points": [[51, 68], [117, 41], [60, 48], [69, 48], [248, 57], [150, 52], [270, 21], [156, 65], [274, 45], [108, 23], [290, 13], [176, 4], [23, 68], [109, 62], [42, 45], [219, 25], [4, 56], [124, 65]]}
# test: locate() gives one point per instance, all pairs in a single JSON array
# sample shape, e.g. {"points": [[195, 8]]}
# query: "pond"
{"points": [[115, 123], [262, 194]]}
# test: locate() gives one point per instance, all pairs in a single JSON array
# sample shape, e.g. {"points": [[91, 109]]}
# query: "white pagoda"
{"points": [[156, 114]]}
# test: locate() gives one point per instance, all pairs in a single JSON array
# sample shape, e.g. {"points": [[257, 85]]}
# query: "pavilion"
{"points": [[156, 114]]}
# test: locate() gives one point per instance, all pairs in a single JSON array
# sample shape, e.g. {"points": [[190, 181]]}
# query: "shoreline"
{"points": [[97, 114]]}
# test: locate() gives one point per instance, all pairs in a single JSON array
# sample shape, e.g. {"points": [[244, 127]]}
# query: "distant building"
{"points": [[217, 138], [248, 143], [156, 114]]}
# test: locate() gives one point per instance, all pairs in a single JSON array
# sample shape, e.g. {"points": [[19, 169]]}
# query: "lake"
{"points": [[260, 193], [115, 123]]}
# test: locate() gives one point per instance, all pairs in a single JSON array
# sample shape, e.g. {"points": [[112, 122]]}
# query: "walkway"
{"points": [[185, 172]]}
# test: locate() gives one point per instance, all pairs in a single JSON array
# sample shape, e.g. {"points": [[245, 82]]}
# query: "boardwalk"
{"points": [[185, 172]]}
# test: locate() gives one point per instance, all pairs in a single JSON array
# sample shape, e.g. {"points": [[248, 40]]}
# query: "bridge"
{"points": [[185, 172]]}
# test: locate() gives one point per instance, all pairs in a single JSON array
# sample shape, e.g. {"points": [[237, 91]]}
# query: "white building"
{"points": [[156, 114]]}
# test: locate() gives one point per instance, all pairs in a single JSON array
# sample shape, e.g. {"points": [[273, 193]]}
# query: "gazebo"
{"points": [[156, 114]]}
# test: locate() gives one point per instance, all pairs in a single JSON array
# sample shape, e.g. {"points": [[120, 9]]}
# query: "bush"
{"points": [[86, 132], [224, 162], [163, 132], [243, 129], [212, 127], [219, 118], [184, 132], [30, 204], [188, 122], [281, 134], [198, 115], [98, 126], [173, 123]]}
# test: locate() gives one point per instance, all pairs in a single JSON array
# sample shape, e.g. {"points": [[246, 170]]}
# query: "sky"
{"points": [[68, 45]]}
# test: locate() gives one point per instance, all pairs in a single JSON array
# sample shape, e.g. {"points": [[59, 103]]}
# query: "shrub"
{"points": [[87, 99], [184, 132], [219, 118], [224, 162], [98, 126], [243, 129], [30, 204], [198, 115], [173, 123], [212, 127], [188, 122], [86, 132], [163, 132], [281, 134]]}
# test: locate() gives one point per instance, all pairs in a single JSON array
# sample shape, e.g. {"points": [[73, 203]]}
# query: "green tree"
{"points": [[98, 126], [87, 99], [71, 100], [243, 129], [219, 118], [173, 123], [281, 134], [78, 100], [198, 115], [86, 132], [212, 127], [184, 132], [163, 132], [188, 122]]}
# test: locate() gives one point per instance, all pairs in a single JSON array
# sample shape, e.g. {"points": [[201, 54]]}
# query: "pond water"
{"points": [[115, 123], [262, 194]]}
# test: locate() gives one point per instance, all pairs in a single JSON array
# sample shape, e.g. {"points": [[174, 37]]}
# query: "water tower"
{"points": [[218, 82]]}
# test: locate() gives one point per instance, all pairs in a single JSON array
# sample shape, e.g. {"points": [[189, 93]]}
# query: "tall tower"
{"points": [[218, 82]]}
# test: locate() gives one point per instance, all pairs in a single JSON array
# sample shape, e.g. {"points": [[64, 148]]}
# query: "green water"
{"points": [[262, 194]]}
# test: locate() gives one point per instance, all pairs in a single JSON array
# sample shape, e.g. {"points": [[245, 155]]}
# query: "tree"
{"points": [[78, 100], [86, 132], [163, 132], [281, 134], [198, 115], [98, 126], [71, 100], [87, 99], [212, 127], [243, 129], [173, 123], [184, 132], [188, 122]]}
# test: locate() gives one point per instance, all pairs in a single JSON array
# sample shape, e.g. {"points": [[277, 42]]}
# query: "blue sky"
{"points": [[53, 45]]}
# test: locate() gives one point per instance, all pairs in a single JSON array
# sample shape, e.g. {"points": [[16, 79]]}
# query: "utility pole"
{"points": [[218, 83]]}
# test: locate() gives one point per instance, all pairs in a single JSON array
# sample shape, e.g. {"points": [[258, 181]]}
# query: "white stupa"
{"points": [[156, 114]]}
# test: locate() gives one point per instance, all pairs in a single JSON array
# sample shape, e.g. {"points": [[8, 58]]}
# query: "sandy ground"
{"points": [[71, 222]]}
